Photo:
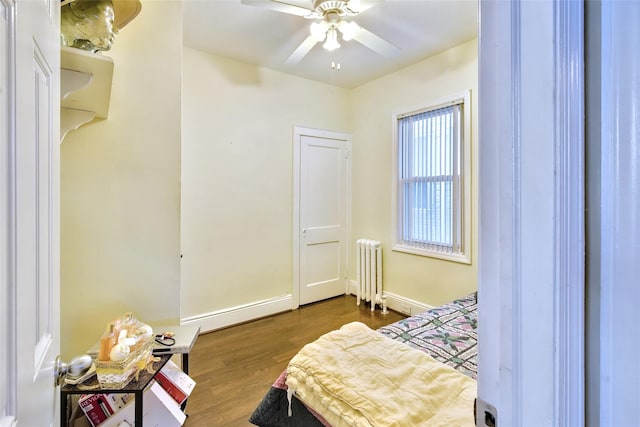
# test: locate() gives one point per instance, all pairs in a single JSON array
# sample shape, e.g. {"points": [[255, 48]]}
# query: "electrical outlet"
{"points": [[486, 414], [405, 309]]}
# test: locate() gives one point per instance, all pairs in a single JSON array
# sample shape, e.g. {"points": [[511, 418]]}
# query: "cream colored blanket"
{"points": [[355, 376]]}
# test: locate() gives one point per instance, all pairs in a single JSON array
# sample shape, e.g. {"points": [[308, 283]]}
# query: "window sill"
{"points": [[459, 258], [7, 421]]}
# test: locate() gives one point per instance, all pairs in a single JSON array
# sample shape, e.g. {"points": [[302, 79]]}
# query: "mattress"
{"points": [[447, 333]]}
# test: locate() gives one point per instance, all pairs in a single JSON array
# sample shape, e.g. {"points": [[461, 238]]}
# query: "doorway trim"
{"points": [[8, 218], [298, 132], [531, 272]]}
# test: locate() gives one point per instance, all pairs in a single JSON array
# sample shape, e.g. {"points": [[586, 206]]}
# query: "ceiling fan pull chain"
{"points": [[335, 66]]}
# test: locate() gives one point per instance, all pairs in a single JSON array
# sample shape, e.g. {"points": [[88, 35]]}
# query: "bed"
{"points": [[341, 385]]}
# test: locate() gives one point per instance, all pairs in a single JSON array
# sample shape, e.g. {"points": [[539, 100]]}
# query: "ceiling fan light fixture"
{"points": [[332, 40], [324, 6], [319, 30], [348, 30]]}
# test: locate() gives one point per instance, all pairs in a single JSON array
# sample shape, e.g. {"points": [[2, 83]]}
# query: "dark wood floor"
{"points": [[234, 367]]}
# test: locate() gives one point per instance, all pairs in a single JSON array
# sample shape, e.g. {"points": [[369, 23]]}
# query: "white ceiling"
{"points": [[260, 36]]}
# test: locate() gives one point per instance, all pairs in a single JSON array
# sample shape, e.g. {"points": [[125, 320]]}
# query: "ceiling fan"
{"points": [[330, 23]]}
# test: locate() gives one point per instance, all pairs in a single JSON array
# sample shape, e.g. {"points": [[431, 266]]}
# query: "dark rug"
{"points": [[273, 412]]}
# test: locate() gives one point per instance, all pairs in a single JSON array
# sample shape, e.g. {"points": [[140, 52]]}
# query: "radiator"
{"points": [[369, 271]]}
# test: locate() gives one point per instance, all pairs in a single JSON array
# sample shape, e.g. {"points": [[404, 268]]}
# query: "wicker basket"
{"points": [[114, 375]]}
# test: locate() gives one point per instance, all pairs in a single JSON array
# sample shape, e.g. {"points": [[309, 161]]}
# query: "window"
{"points": [[432, 189]]}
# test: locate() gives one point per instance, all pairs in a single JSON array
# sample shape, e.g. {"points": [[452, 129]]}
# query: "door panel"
{"points": [[323, 215], [38, 162], [322, 165], [326, 262]]}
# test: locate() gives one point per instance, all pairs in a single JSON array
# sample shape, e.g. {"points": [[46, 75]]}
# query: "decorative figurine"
{"points": [[92, 25]]}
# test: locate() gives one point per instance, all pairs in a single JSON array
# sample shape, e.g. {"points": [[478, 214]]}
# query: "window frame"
{"points": [[464, 256]]}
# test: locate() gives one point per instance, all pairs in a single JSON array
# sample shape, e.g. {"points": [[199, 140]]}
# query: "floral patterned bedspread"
{"points": [[448, 333]]}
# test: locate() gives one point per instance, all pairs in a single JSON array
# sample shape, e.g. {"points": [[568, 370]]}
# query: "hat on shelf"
{"points": [[125, 11]]}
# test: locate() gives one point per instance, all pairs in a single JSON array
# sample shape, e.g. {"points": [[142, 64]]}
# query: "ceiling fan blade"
{"points": [[359, 6], [375, 43], [280, 6], [301, 50]]}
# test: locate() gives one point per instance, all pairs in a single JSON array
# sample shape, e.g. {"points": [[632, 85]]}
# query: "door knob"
{"points": [[77, 367]]}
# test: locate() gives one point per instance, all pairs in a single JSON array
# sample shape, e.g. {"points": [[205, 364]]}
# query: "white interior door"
{"points": [[32, 209], [323, 213]]}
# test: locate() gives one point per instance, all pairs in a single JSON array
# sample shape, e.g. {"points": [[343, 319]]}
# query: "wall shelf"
{"points": [[85, 86]]}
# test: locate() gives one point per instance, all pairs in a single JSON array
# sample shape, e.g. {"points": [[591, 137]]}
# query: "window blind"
{"points": [[430, 164]]}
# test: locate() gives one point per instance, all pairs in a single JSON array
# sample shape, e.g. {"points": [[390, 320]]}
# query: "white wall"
{"points": [[120, 189], [128, 207], [237, 171], [426, 280], [237, 179], [613, 138]]}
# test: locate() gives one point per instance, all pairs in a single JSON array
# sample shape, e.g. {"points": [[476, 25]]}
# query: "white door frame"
{"points": [[298, 131], [8, 344], [531, 238]]}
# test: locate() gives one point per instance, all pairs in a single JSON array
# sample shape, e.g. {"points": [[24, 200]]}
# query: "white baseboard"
{"points": [[396, 302], [243, 313], [239, 314]]}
